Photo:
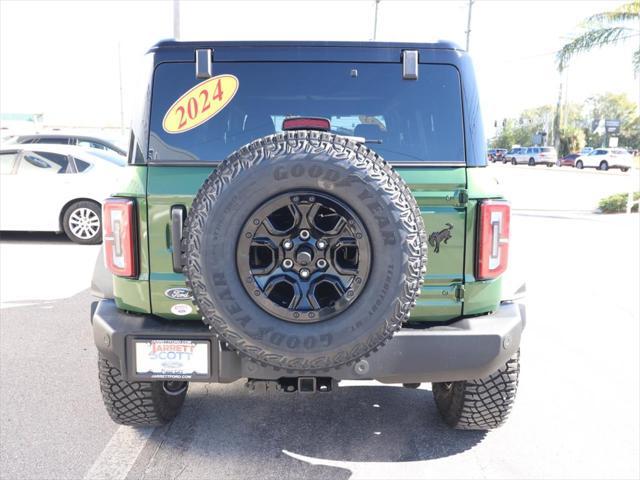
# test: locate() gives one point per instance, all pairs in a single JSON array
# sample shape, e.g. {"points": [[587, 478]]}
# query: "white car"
{"points": [[535, 156], [515, 155], [605, 158], [56, 188]]}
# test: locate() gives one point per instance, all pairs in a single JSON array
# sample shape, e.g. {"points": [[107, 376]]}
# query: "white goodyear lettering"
{"points": [[200, 103]]}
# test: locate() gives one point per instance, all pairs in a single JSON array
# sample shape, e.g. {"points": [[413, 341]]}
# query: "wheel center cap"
{"points": [[304, 256]]}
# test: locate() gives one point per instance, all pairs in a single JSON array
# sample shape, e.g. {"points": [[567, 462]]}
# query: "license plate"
{"points": [[172, 358]]}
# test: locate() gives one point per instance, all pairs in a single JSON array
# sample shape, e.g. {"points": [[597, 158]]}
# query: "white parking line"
{"points": [[120, 454]]}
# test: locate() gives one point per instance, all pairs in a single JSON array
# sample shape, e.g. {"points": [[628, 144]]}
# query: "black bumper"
{"points": [[468, 349]]}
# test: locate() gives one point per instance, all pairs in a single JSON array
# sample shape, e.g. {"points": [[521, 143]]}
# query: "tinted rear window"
{"points": [[413, 120], [81, 165]]}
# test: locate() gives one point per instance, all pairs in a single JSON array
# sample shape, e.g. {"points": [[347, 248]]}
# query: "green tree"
{"points": [[606, 28], [579, 123], [572, 139], [611, 106]]}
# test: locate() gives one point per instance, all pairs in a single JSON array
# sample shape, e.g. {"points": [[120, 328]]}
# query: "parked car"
{"points": [[296, 262], [533, 156], [514, 155], [69, 139], [568, 160], [69, 185], [496, 154], [606, 158]]}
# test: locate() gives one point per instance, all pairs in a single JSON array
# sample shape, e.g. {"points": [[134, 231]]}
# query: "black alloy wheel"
{"points": [[304, 256]]}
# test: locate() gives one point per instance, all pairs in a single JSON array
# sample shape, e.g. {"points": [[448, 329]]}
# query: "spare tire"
{"points": [[304, 250]]}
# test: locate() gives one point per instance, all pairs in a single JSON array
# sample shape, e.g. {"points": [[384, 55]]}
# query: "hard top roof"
{"points": [[172, 43]]}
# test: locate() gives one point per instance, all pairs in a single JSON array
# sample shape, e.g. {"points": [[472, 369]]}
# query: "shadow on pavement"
{"points": [[33, 237], [238, 433]]}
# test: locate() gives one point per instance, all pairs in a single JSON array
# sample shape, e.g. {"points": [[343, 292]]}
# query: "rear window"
{"points": [[407, 120], [81, 165], [43, 163]]}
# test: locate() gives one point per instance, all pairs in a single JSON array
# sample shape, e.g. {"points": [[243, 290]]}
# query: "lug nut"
{"points": [[322, 263], [321, 244], [304, 273], [304, 234], [287, 263], [288, 244]]}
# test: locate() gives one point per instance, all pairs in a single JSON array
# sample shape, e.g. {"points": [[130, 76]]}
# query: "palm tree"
{"points": [[607, 28]]}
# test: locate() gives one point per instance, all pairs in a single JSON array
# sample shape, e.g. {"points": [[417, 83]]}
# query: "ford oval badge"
{"points": [[179, 293]]}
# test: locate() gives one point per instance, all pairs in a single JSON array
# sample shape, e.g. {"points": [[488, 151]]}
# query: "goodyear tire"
{"points": [[327, 318]]}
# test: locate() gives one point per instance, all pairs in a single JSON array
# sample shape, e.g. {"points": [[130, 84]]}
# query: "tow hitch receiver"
{"points": [[293, 384]]}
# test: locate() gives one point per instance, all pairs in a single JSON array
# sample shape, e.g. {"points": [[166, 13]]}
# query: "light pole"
{"points": [[375, 21], [176, 19], [468, 31], [121, 100]]}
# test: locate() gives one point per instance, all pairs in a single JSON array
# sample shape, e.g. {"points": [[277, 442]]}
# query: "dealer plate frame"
{"points": [[133, 367]]}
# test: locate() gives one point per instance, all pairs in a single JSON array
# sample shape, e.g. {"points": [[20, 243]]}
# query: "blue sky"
{"points": [[61, 57]]}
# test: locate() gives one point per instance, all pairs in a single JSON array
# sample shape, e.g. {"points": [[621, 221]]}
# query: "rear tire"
{"points": [[604, 166], [82, 222], [139, 403], [625, 169], [579, 165], [532, 162], [479, 404]]}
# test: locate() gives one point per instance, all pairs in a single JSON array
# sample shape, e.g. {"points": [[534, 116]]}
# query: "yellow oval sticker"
{"points": [[200, 103]]}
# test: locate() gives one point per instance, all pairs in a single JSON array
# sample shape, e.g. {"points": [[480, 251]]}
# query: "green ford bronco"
{"points": [[296, 214]]}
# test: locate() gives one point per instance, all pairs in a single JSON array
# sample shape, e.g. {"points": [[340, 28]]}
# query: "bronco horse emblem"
{"points": [[442, 236]]}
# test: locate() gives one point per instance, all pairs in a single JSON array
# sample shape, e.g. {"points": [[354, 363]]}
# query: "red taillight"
{"points": [[119, 236], [493, 239], [306, 123]]}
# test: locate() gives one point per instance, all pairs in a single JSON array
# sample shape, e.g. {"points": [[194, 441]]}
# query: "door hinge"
{"points": [[204, 60], [459, 293], [463, 196]]}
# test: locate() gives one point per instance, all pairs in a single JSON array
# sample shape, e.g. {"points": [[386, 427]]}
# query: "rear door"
{"points": [[415, 125], [36, 189], [9, 211]]}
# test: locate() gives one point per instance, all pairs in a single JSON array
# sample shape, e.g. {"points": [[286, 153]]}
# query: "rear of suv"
{"points": [[281, 202], [605, 158]]}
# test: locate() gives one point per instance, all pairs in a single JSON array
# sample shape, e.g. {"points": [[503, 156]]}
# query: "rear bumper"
{"points": [[468, 349]]}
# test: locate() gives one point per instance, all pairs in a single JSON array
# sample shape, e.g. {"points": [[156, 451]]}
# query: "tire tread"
{"points": [[135, 403], [362, 161], [481, 404]]}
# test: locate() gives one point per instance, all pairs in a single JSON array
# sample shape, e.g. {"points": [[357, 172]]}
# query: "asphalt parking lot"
{"points": [[576, 415]]}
